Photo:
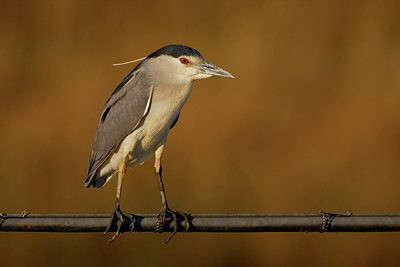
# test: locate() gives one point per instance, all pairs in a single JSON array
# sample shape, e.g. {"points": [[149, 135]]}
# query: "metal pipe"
{"points": [[316, 222]]}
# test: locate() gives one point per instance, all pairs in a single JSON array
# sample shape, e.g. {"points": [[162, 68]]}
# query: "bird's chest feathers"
{"points": [[165, 106]]}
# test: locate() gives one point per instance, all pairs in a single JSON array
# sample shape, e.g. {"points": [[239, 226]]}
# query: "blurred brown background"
{"points": [[312, 121]]}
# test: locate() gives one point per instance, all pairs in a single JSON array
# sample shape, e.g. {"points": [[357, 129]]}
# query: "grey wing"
{"points": [[125, 109]]}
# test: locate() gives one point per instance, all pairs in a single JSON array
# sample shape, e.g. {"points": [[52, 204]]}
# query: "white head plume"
{"points": [[129, 62]]}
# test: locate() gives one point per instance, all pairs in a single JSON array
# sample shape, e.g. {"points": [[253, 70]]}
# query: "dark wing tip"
{"points": [[95, 182], [88, 181]]}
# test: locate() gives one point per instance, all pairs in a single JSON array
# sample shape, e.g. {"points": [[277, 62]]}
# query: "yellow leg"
{"points": [[165, 210], [121, 174], [118, 214]]}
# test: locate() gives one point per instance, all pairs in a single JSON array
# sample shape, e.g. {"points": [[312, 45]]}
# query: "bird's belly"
{"points": [[151, 133]]}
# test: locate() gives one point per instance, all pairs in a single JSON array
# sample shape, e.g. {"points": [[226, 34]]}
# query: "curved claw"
{"points": [[120, 216], [160, 221]]}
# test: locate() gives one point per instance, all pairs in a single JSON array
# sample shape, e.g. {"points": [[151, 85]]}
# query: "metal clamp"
{"points": [[3, 217], [327, 219], [24, 214]]}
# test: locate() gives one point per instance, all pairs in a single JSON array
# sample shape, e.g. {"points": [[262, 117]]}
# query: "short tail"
{"points": [[96, 181]]}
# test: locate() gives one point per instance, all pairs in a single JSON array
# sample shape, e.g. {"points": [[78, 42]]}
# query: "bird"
{"points": [[137, 119]]}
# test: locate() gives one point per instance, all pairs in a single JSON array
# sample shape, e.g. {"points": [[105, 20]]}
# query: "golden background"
{"points": [[312, 121]]}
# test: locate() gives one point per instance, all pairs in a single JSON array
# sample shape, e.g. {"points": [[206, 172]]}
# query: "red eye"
{"points": [[184, 60]]}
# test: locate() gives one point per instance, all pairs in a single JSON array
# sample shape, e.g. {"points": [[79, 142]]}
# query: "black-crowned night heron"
{"points": [[138, 117]]}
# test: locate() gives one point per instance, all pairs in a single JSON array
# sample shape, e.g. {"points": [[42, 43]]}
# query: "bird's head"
{"points": [[179, 63]]}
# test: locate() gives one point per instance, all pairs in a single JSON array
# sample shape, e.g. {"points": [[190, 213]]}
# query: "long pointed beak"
{"points": [[211, 69]]}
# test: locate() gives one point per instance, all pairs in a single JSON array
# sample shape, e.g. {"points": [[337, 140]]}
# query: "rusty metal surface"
{"points": [[317, 222]]}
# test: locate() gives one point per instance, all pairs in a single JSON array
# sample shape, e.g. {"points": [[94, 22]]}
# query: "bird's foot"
{"points": [[173, 215], [120, 218]]}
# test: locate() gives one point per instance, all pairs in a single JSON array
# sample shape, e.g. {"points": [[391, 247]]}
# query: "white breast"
{"points": [[152, 132]]}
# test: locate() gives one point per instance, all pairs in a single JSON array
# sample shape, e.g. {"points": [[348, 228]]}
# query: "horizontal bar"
{"points": [[315, 222]]}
